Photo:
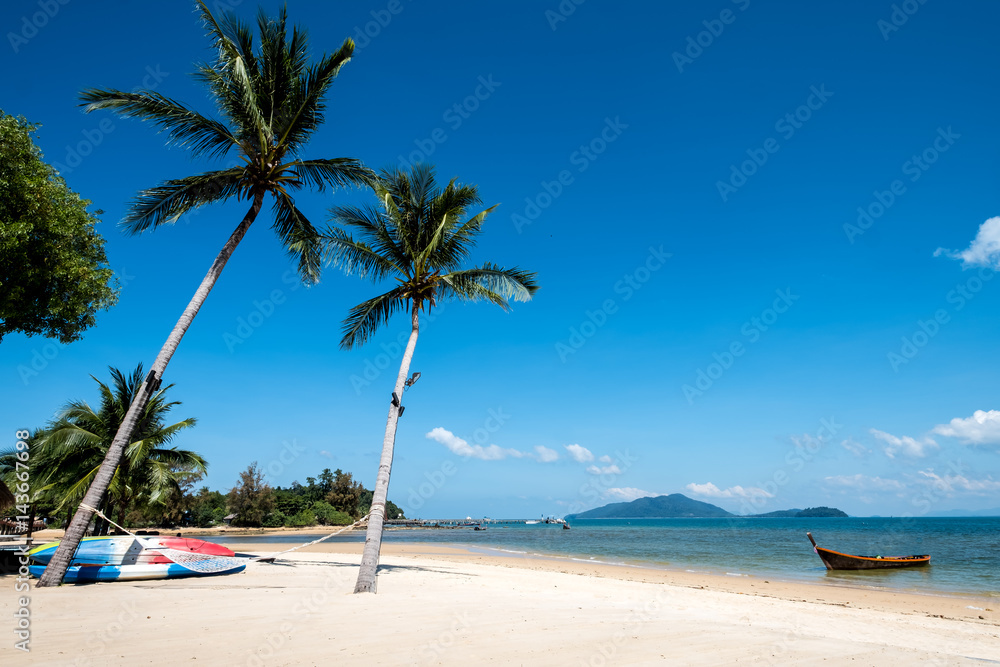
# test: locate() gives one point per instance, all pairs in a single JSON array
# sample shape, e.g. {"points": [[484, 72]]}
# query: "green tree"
{"points": [[69, 453], [19, 470], [328, 516], [208, 508], [54, 275], [344, 493], [252, 499], [418, 237], [392, 510], [271, 99]]}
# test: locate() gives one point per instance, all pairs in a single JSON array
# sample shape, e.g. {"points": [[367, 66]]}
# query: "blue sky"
{"points": [[735, 210]]}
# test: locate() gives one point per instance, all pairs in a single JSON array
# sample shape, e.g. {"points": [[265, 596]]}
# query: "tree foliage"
{"points": [[252, 499], [67, 454], [270, 97], [54, 275], [345, 493]]}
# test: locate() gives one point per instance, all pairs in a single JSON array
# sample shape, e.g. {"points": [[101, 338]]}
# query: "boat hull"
{"points": [[834, 560], [77, 574]]}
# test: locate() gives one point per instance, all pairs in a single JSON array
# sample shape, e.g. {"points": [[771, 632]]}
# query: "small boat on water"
{"points": [[835, 560]]}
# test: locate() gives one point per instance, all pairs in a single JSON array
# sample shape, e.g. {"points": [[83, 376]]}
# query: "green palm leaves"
{"points": [[271, 99], [419, 235], [67, 455]]}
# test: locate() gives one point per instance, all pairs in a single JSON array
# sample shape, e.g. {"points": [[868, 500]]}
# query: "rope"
{"points": [[271, 558]]}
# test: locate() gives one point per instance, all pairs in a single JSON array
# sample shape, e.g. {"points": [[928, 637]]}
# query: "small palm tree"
{"points": [[271, 101], [417, 236], [74, 446]]}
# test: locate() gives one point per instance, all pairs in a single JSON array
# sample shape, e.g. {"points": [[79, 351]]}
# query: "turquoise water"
{"points": [[965, 552]]}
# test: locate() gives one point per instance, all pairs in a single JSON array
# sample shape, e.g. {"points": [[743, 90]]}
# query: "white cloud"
{"points": [[712, 491], [982, 428], [325, 453], [545, 455], [984, 249], [864, 482], [626, 494], [462, 448], [905, 444], [855, 447], [604, 470], [579, 454], [605, 459], [949, 484]]}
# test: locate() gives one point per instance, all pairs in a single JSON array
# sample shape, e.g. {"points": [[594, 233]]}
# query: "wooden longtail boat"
{"points": [[834, 560]]}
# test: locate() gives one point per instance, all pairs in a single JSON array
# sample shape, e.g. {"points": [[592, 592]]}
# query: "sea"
{"points": [[965, 552]]}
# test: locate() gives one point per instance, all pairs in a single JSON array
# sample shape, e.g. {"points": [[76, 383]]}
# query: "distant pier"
{"points": [[432, 523]]}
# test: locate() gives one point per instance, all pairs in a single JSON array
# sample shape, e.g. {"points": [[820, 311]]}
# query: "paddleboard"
{"points": [[83, 573], [127, 550]]}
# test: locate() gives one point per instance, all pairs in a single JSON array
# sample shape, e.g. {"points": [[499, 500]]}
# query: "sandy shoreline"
{"points": [[446, 605]]}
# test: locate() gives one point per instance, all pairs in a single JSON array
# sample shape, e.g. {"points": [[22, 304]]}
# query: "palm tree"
{"points": [[271, 100], [415, 235], [75, 445]]}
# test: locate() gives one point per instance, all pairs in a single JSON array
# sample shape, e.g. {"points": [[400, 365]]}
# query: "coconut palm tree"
{"points": [[418, 236], [270, 99], [76, 443]]}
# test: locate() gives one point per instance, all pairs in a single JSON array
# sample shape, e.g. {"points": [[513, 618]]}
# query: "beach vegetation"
{"points": [[419, 236], [54, 274], [252, 499], [270, 100], [68, 453]]}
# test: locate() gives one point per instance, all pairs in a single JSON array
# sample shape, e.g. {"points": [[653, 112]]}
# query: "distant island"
{"points": [[677, 505], [808, 513]]}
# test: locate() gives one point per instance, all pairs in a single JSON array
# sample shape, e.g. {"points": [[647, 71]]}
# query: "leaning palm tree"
{"points": [[417, 236], [270, 99], [74, 446]]}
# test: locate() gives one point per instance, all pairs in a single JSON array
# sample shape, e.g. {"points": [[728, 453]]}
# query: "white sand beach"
{"points": [[447, 606]]}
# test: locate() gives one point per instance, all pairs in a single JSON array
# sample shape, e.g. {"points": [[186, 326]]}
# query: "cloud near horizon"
{"points": [[579, 454], [951, 484], [627, 493], [865, 483], [982, 428], [905, 444], [984, 249], [710, 490], [855, 447], [545, 455], [460, 447]]}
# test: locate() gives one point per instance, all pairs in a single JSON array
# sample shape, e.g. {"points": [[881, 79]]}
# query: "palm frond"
{"points": [[186, 128], [300, 238], [366, 318], [335, 172], [491, 282], [353, 256], [236, 90], [165, 203], [456, 246], [374, 234], [305, 106]]}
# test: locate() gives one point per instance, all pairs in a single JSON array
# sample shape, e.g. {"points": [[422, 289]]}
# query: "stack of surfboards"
{"points": [[126, 558]]}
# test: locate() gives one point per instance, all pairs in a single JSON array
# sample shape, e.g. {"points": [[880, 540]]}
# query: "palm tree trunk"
{"points": [[56, 569], [373, 537]]}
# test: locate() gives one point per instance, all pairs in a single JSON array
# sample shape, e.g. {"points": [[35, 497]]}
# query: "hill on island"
{"points": [[808, 513], [677, 505]]}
